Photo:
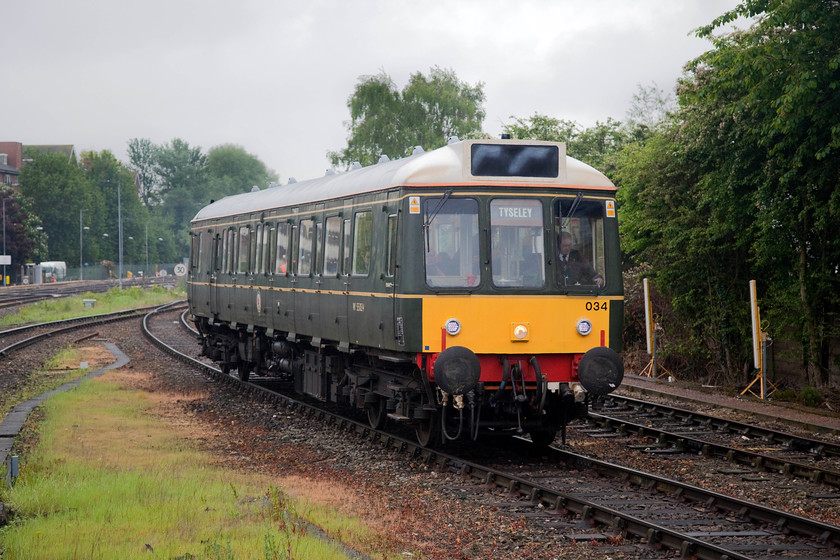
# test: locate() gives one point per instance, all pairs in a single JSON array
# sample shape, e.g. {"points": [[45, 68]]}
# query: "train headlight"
{"points": [[452, 326], [584, 327], [519, 332]]}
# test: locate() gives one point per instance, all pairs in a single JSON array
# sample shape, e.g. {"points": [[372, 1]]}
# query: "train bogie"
{"points": [[474, 289]]}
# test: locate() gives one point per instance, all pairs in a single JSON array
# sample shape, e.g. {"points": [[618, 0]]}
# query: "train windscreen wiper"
{"points": [[572, 210], [428, 223]]}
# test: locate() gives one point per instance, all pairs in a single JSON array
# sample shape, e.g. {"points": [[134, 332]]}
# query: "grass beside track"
{"points": [[108, 302], [104, 476]]}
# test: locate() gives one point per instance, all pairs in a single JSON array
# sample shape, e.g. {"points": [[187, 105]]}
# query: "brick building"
{"points": [[12, 159]]}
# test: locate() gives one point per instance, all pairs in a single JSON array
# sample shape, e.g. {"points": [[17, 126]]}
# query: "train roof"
{"points": [[457, 164]]}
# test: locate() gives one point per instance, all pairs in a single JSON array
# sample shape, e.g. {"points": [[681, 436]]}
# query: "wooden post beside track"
{"points": [[651, 330], [760, 344]]}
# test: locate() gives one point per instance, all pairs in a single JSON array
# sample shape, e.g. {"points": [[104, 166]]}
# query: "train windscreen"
{"points": [[452, 250]]}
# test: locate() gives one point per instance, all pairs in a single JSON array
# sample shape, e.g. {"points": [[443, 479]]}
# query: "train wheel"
{"points": [[543, 438], [377, 414], [244, 370], [428, 431]]}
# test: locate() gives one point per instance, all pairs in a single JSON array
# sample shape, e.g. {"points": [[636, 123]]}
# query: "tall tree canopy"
{"points": [[748, 168], [232, 170], [597, 146], [58, 190], [143, 155], [426, 113]]}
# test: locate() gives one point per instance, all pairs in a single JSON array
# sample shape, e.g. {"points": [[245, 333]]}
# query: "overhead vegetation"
{"points": [[426, 113], [741, 184]]}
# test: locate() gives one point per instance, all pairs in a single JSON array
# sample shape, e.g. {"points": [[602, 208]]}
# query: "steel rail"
{"points": [[682, 443], [706, 421], [67, 325]]}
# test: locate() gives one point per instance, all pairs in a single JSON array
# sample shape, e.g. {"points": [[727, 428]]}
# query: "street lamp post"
{"points": [[40, 242], [119, 228], [81, 247]]}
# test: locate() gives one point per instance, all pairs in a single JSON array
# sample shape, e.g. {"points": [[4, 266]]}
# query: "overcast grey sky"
{"points": [[274, 76]]}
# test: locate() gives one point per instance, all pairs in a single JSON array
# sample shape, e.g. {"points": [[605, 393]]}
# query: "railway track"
{"points": [[658, 428], [631, 512]]}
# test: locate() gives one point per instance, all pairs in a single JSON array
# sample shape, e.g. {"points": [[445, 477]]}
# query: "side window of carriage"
{"points": [[257, 250], [332, 246], [228, 251], [244, 250], [282, 250], [306, 235], [195, 250], [362, 242]]}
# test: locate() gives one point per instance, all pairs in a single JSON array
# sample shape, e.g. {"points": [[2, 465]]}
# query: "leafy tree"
{"points": [[762, 108], [542, 127], [20, 222], [232, 170], [428, 111], [143, 156], [116, 187], [597, 146], [440, 107], [179, 166], [58, 190], [691, 250], [649, 108]]}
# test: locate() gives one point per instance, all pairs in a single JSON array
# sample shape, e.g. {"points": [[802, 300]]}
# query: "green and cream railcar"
{"points": [[474, 288]]}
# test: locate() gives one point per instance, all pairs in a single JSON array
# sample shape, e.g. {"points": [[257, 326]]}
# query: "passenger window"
{"points": [[307, 232], [452, 242], [517, 243], [318, 250], [256, 257], [362, 243], [282, 255], [195, 250], [244, 250], [270, 249], [332, 246]]}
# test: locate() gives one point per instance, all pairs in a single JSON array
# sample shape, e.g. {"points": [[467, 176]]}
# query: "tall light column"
{"points": [[119, 228]]}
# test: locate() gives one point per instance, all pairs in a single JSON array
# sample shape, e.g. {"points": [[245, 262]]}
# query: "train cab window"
{"points": [[517, 244], [579, 238], [452, 245], [362, 235], [281, 259], [307, 233], [332, 246], [244, 250]]}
